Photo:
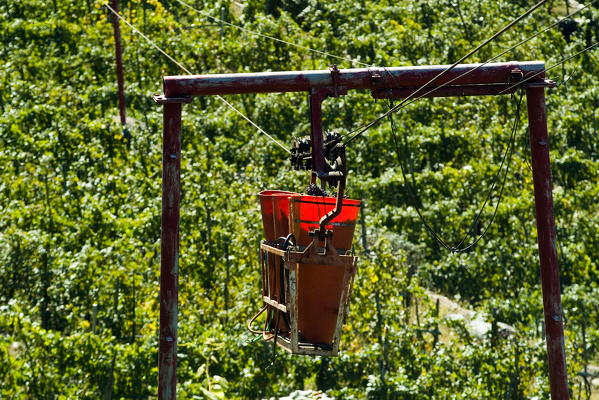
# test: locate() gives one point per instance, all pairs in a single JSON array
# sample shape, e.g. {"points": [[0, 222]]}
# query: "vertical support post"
{"points": [[318, 161], [118, 51], [541, 169], [169, 252]]}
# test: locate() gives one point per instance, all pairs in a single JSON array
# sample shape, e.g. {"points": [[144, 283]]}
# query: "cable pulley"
{"points": [[333, 151]]}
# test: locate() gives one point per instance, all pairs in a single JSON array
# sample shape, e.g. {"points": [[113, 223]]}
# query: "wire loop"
{"points": [[458, 248]]}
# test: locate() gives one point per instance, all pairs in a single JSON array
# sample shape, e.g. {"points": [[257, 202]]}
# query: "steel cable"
{"points": [[557, 64], [396, 108], [490, 59], [411, 191], [153, 44], [324, 53]]}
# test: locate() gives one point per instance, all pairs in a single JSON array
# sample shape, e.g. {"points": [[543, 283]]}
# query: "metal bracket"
{"points": [[375, 76], [516, 75], [336, 90], [544, 83], [162, 99], [335, 77]]}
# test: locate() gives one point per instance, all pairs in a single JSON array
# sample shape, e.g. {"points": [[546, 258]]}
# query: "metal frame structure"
{"points": [[488, 79]]}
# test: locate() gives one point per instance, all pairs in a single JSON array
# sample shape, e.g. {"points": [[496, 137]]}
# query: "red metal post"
{"points": [[552, 304], [318, 162], [169, 252], [119, 62]]}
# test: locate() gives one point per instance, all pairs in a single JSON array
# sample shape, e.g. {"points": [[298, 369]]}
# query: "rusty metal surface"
{"points": [[169, 251], [539, 141], [319, 164], [328, 217], [447, 91], [357, 78], [460, 90], [119, 63], [320, 167], [294, 261]]}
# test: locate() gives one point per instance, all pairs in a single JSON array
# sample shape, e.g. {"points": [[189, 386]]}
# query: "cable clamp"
{"points": [[338, 90], [516, 75]]}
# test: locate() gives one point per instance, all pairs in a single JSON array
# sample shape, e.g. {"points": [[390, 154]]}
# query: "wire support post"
{"points": [[118, 55], [550, 281], [169, 251]]}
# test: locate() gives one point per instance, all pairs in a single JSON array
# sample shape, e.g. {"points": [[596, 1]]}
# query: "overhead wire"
{"points": [[434, 89], [172, 59], [177, 63], [562, 83], [459, 248], [406, 103], [396, 108], [254, 124], [299, 46], [410, 99]]}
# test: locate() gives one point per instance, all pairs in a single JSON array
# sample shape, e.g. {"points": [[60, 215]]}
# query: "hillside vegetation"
{"points": [[81, 201]]}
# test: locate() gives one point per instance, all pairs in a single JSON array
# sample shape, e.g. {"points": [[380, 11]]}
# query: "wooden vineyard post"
{"points": [[118, 55]]}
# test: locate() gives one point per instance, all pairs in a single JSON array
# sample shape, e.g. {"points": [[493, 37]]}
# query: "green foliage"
{"points": [[80, 201]]}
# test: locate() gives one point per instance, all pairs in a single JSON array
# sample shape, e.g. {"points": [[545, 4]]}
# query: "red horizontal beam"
{"points": [[358, 78], [447, 91]]}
